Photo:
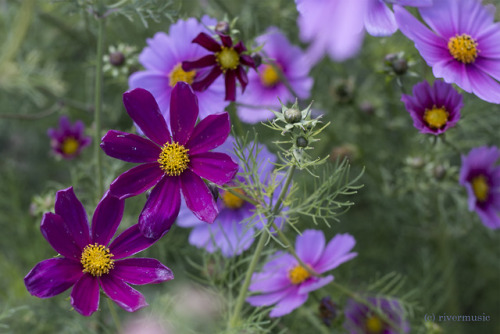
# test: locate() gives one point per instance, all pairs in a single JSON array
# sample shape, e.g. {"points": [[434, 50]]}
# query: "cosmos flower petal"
{"points": [[310, 246], [152, 57], [141, 106], [207, 42], [230, 81], [314, 284], [336, 252], [488, 42], [129, 242], [270, 298], [226, 40], [490, 217], [129, 147], [56, 232], [453, 72], [52, 277], [240, 47], [183, 112], [205, 61], [204, 81], [155, 82], [242, 77], [122, 294], [85, 295], [107, 218], [268, 282], [73, 213], [136, 180], [209, 133], [214, 166], [139, 271], [485, 87], [379, 19], [288, 304], [198, 197], [490, 66], [247, 60]]}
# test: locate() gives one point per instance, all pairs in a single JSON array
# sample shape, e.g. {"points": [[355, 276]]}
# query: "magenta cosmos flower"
{"points": [[481, 177], [461, 45], [226, 59], [360, 319], [162, 59], [89, 260], [433, 109], [287, 284], [265, 87], [68, 140], [170, 162]]}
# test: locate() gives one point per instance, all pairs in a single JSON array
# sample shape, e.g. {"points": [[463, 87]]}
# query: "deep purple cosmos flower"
{"points": [[380, 20], [360, 319], [89, 259], [433, 109], [461, 45], [481, 177], [68, 140], [170, 162], [265, 87], [162, 59], [226, 59], [234, 228], [287, 284]]}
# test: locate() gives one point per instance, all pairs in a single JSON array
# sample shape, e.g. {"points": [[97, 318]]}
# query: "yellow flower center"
{"points": [[298, 274], [269, 76], [232, 201], [227, 58], [69, 146], [96, 260], [173, 158], [374, 325], [436, 117], [178, 74], [480, 188], [463, 48]]}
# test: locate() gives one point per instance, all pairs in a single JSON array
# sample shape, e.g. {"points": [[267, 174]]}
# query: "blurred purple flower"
{"points": [[68, 140], [162, 59], [226, 59], [287, 284], [462, 44], [481, 177], [170, 163], [89, 260], [360, 319], [433, 109], [265, 87]]}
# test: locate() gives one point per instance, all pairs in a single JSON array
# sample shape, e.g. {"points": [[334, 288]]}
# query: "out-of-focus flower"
{"points": [[226, 59], [265, 86], [170, 163], [433, 109], [145, 325], [360, 319], [287, 284], [162, 59], [89, 259], [481, 177], [345, 151], [68, 140], [327, 310], [121, 60], [461, 45]]}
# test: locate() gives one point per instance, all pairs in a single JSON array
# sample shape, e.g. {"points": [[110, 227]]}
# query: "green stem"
{"points": [[114, 315], [98, 106]]}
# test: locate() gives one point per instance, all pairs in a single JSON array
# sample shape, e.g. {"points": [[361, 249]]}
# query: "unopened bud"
{"points": [[257, 59], [293, 115], [116, 58], [214, 190], [222, 27], [301, 142]]}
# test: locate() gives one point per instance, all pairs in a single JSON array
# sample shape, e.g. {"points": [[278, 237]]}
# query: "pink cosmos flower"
{"points": [[69, 140]]}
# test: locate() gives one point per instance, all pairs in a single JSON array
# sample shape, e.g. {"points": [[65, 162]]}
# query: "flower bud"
{"points": [[117, 58], [222, 27], [257, 59], [301, 142], [327, 311], [293, 115]]}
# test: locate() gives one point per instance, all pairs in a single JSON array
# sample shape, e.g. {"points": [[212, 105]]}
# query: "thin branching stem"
{"points": [[98, 106]]}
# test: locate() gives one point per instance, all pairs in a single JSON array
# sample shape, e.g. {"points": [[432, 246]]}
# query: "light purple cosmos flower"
{"points": [[170, 162], [265, 87], [433, 109], [360, 319], [162, 59], [481, 177], [68, 140], [380, 20], [226, 59], [287, 284], [232, 232], [461, 45], [89, 259]]}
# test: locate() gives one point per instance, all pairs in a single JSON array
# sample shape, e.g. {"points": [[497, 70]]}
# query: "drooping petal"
{"points": [[242, 77], [72, 212], [214, 166], [141, 106], [127, 298], [204, 81], [162, 208], [141, 271], [85, 295], [288, 304], [129, 242], [379, 20], [107, 217], [230, 81], [207, 42], [137, 180], [310, 245], [210, 133], [226, 40], [183, 112], [198, 197], [129, 147], [205, 61], [247, 60], [57, 233], [52, 277]]}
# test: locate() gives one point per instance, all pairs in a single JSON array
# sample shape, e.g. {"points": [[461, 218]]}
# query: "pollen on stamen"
{"points": [[480, 188], [96, 260], [298, 274], [174, 159], [228, 59], [436, 118], [463, 48], [269, 76], [232, 201], [178, 74]]}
